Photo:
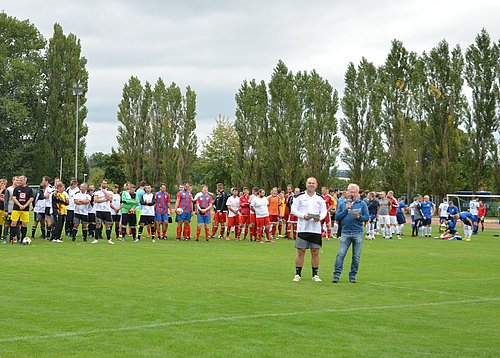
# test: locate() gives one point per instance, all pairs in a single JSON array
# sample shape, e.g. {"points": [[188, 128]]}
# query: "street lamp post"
{"points": [[85, 177], [77, 91]]}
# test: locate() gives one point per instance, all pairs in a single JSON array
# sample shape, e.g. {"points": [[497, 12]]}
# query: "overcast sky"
{"points": [[214, 45]]}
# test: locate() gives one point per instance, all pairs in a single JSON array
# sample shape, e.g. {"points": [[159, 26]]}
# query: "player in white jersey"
{"points": [[102, 198], [260, 205], [443, 211], [233, 220], [474, 210], [91, 211], [252, 225], [148, 213], [70, 192], [82, 205], [48, 191], [39, 212], [116, 207]]}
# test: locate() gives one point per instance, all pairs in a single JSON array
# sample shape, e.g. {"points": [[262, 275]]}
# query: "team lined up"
{"points": [[59, 210]]}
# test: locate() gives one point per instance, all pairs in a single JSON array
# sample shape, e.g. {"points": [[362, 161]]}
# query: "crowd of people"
{"points": [[304, 216]]}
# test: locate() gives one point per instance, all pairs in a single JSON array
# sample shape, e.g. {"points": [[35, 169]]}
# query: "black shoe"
{"points": [[352, 280], [178, 239], [335, 280], [73, 239]]}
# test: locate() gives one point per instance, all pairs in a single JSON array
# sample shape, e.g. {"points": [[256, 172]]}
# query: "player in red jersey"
{"points": [[286, 216], [203, 206], [392, 212], [183, 209], [244, 213], [327, 220], [292, 219]]}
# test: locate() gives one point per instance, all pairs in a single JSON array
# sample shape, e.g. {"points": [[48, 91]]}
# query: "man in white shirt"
{"points": [[474, 210], [310, 209], [71, 191], [443, 211], [102, 198], [233, 207], [116, 207], [82, 204], [148, 212], [260, 205]]}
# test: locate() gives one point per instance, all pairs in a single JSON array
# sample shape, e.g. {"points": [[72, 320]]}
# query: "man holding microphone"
{"points": [[310, 209], [352, 213]]}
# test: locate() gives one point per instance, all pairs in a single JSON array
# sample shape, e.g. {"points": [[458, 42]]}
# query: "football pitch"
{"points": [[414, 297]]}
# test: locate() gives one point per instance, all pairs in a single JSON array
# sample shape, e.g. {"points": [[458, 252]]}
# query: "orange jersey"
{"points": [[274, 204]]}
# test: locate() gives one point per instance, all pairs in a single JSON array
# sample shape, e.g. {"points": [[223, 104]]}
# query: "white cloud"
{"points": [[213, 46]]}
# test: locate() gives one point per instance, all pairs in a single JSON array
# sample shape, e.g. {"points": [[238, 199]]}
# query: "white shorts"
{"points": [[384, 219], [393, 219]]}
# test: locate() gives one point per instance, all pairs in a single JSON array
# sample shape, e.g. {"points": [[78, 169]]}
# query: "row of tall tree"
{"points": [[417, 123], [156, 133], [427, 123], [37, 106]]}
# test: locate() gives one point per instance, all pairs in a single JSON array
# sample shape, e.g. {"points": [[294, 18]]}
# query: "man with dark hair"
{"points": [[220, 208], [162, 210], [129, 217], [22, 197], [310, 209], [102, 198], [71, 191]]}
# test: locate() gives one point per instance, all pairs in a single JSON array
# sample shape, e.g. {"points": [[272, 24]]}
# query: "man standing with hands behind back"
{"points": [[352, 213], [310, 209]]}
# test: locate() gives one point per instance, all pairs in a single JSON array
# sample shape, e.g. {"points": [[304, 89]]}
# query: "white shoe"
{"points": [[59, 240], [296, 278], [399, 237], [111, 242], [95, 241], [316, 279], [153, 240]]}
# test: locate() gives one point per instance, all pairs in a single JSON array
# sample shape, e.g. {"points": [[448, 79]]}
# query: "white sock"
{"points": [[401, 227], [335, 228]]}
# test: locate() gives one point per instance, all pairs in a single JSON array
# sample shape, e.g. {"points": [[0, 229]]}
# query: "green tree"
{"points": [[134, 128], [320, 105], [218, 161], [481, 73], [285, 141], [21, 114], [252, 127], [442, 104], [187, 141], [397, 82], [64, 67], [361, 106]]}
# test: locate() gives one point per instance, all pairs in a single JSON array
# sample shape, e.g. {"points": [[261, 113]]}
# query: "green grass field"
{"points": [[414, 297]]}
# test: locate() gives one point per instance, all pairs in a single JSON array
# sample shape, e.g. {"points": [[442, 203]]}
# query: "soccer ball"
{"points": [[26, 241], [178, 211]]}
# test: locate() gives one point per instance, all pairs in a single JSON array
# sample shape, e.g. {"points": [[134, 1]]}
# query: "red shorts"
{"points": [[263, 221], [273, 218], [244, 219], [326, 220], [220, 217], [286, 216], [233, 221], [252, 218], [292, 219]]}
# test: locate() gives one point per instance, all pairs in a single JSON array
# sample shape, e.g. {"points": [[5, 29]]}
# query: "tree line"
{"points": [[424, 122], [37, 106]]}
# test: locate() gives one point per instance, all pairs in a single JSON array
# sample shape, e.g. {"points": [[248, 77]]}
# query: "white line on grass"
{"points": [[236, 318], [425, 290]]}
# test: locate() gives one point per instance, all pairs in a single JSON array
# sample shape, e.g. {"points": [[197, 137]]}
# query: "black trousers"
{"points": [[59, 222], [69, 222]]}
